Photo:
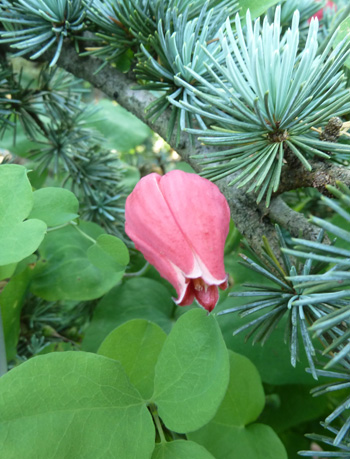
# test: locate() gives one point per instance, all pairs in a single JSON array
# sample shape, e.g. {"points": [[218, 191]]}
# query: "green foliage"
{"points": [[34, 26], [53, 93], [181, 369], [54, 206], [82, 403], [231, 433], [289, 295], [70, 264], [335, 280], [121, 130], [12, 299], [179, 449], [97, 396], [135, 298], [256, 8], [19, 237], [265, 116], [136, 345], [169, 53]]}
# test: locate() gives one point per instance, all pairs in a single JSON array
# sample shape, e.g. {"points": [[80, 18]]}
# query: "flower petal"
{"points": [[150, 222], [202, 213]]}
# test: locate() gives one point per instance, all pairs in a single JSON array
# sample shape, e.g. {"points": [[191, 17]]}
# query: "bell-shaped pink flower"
{"points": [[180, 221]]}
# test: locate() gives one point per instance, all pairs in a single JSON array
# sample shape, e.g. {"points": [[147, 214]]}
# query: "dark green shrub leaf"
{"points": [[136, 345], [191, 373]]}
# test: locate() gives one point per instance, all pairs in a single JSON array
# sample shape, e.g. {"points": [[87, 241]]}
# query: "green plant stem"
{"points": [[157, 422], [84, 234], [55, 228], [138, 273], [3, 359]]}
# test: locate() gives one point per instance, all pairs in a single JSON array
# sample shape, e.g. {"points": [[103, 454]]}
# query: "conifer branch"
{"points": [[252, 220]]}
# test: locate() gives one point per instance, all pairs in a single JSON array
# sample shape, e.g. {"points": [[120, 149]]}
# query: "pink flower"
{"points": [[319, 13], [179, 222]]}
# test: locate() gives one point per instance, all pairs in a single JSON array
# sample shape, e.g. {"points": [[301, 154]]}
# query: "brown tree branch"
{"points": [[252, 221]]}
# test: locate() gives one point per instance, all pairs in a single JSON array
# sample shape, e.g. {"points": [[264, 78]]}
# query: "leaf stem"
{"points": [[138, 273], [84, 234], [157, 422], [3, 359], [54, 228]]}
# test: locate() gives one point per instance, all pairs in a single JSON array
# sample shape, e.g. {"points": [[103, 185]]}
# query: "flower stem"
{"points": [[3, 359]]}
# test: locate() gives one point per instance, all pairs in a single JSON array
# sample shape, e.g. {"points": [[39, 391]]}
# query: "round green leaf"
{"points": [[192, 372], [228, 435], [65, 272], [135, 298], [72, 405], [180, 449], [55, 206], [136, 344], [16, 196], [245, 398], [256, 441], [20, 240], [108, 253]]}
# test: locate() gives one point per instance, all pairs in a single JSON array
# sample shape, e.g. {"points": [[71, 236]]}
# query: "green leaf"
{"points": [[65, 272], [136, 298], [7, 271], [343, 31], [191, 373], [18, 239], [55, 206], [11, 301], [274, 350], [180, 449], [131, 175], [136, 345], [230, 433], [22, 145], [256, 7], [121, 130], [72, 405], [16, 196], [290, 405], [108, 253]]}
